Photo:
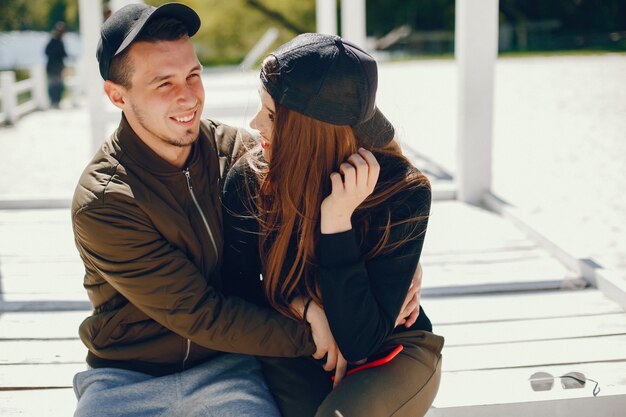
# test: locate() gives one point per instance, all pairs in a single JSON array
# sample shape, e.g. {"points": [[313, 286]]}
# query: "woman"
{"points": [[333, 216]]}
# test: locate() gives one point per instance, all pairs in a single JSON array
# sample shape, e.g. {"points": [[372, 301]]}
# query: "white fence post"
{"points": [[476, 49], [90, 14], [40, 87], [9, 98], [353, 22], [326, 16]]}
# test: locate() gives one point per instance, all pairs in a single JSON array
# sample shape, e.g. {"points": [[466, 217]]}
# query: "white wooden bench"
{"points": [[493, 294]]}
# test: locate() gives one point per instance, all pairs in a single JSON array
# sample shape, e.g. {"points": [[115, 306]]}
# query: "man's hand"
{"points": [[324, 340], [411, 306]]}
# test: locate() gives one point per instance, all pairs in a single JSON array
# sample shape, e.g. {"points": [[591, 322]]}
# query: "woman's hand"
{"points": [[411, 306], [323, 338], [360, 174]]}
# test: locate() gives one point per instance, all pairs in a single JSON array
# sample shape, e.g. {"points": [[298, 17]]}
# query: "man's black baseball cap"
{"points": [[121, 29], [332, 80]]}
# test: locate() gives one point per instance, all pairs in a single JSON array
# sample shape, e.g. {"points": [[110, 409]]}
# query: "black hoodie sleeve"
{"points": [[363, 298]]}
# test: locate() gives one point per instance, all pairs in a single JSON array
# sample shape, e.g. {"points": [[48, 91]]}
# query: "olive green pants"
{"points": [[406, 386]]}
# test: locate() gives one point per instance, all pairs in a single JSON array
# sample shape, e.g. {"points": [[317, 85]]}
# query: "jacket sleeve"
{"points": [[363, 298], [118, 242]]}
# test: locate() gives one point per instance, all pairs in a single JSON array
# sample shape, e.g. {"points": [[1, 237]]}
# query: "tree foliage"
{"points": [[37, 14], [230, 28]]}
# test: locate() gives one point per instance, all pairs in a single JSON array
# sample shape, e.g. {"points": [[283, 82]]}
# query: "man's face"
{"points": [[165, 99]]}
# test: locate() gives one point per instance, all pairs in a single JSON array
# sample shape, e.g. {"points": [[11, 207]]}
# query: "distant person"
{"points": [[55, 53]]}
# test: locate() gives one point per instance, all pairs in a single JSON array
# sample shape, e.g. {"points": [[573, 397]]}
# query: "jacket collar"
{"points": [[141, 154]]}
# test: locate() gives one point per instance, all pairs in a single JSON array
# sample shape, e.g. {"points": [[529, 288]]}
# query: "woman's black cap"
{"points": [[332, 80], [121, 29]]}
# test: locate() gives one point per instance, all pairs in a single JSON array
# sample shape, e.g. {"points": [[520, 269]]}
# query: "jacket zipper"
{"points": [[187, 354], [206, 223], [208, 229]]}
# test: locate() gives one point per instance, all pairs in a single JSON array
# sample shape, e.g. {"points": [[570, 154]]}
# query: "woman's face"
{"points": [[263, 121]]}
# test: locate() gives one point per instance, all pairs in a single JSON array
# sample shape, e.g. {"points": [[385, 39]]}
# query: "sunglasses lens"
{"points": [[573, 380], [541, 381]]}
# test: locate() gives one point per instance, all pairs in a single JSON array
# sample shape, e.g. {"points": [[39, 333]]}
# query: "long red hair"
{"points": [[289, 191]]}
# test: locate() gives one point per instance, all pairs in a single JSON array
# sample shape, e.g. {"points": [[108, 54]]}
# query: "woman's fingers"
{"points": [[354, 182], [349, 176], [331, 360], [410, 307], [410, 321], [320, 352], [340, 370], [373, 167], [362, 171], [407, 309], [336, 183]]}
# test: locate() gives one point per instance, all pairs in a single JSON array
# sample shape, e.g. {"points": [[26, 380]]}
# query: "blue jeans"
{"points": [[229, 385]]}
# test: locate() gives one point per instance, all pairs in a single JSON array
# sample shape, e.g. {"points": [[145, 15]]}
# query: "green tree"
{"points": [[37, 14], [231, 28]]}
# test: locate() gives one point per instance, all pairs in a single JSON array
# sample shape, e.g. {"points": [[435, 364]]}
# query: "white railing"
{"points": [[36, 84]]}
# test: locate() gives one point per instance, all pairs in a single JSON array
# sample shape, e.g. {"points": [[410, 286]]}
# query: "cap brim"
{"points": [[376, 131], [185, 14]]}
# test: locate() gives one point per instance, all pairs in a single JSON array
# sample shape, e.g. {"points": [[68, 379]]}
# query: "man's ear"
{"points": [[116, 93]]}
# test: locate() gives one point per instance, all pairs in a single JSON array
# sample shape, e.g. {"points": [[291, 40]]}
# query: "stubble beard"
{"points": [[191, 135]]}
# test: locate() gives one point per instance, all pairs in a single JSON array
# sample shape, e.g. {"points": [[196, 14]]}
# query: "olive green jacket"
{"points": [[150, 237]]}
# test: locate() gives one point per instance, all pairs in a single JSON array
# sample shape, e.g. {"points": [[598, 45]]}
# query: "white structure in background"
{"points": [[259, 48], [90, 14], [91, 20], [352, 19], [326, 16], [476, 50], [36, 84], [353, 22]]}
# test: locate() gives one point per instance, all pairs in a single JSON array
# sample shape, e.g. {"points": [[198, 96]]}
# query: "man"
{"points": [[147, 223]]}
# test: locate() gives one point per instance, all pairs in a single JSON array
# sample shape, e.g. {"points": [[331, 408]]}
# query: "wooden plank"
{"points": [[50, 283], [49, 325], [36, 267], [52, 228], [20, 302], [50, 242], [454, 226], [458, 389], [26, 217], [456, 358], [535, 353], [471, 250], [476, 257], [39, 376], [38, 403], [609, 406], [15, 352], [522, 306], [483, 277], [532, 330], [501, 386]]}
